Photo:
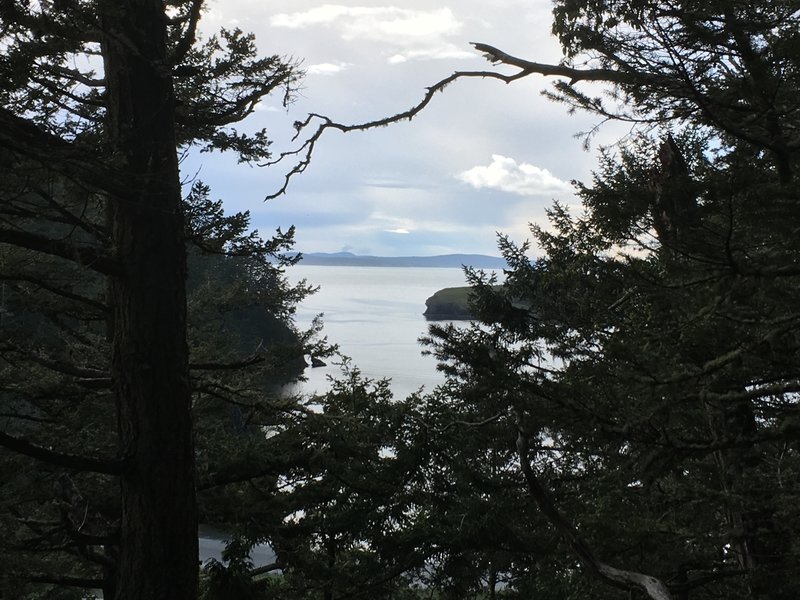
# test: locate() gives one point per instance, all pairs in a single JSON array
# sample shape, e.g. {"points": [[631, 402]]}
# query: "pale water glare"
{"points": [[375, 315]]}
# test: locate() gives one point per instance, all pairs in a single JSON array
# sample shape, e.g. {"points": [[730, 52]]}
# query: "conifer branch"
{"points": [[22, 137], [190, 34], [65, 580], [59, 459], [85, 256], [628, 580]]}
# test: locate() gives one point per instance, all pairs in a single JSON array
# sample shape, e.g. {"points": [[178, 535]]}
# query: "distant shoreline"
{"points": [[457, 261]]}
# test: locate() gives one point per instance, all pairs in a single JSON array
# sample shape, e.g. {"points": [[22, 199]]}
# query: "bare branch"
{"points": [[527, 67], [629, 580], [305, 151], [492, 54]]}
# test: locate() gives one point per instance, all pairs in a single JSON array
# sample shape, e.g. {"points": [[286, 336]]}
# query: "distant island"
{"points": [[449, 304], [452, 304], [348, 259]]}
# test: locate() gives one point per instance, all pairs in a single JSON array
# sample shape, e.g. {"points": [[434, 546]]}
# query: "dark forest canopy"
{"points": [[622, 419], [623, 416], [106, 373], [651, 387]]}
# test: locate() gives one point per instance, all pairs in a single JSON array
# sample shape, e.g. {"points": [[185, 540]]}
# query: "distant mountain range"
{"points": [[348, 259]]}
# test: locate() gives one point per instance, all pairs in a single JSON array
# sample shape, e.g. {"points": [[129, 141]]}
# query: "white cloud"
{"points": [[518, 178], [388, 222], [316, 16], [267, 107], [440, 52], [379, 23], [327, 68]]}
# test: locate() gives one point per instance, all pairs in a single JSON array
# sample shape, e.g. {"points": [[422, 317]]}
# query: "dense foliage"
{"points": [[243, 347], [651, 386], [113, 407], [622, 418]]}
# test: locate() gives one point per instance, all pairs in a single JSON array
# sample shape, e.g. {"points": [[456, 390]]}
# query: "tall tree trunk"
{"points": [[158, 553], [755, 538], [330, 547], [492, 582]]}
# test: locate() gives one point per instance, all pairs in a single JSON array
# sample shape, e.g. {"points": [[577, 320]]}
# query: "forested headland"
{"points": [[619, 420]]}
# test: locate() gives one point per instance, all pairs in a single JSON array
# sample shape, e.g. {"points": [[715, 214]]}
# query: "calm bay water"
{"points": [[375, 316]]}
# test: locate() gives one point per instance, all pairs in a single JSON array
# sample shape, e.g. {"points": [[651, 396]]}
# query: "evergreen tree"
{"points": [[243, 347], [645, 364], [98, 98]]}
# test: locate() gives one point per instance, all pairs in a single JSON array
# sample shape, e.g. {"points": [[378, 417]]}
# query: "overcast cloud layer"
{"points": [[483, 158]]}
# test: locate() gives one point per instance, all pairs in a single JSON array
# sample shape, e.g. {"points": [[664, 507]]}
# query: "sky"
{"points": [[483, 158]]}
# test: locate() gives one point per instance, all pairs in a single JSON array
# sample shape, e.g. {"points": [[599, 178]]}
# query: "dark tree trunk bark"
{"points": [[756, 539], [158, 550], [330, 547]]}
